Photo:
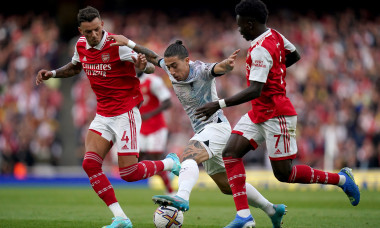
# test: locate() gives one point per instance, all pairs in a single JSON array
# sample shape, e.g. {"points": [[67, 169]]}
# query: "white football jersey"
{"points": [[198, 89]]}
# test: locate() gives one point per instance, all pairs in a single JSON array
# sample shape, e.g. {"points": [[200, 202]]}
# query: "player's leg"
{"points": [[152, 147], [237, 146], [127, 131], [245, 137], [282, 149], [193, 154], [255, 199], [163, 174], [97, 148]]}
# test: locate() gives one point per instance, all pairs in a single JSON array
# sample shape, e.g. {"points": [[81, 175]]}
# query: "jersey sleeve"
{"points": [[159, 89], [261, 64], [205, 69], [75, 59], [162, 64], [287, 45], [126, 54]]}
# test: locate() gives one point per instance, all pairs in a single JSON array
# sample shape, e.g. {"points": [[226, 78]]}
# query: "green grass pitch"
{"points": [[28, 207]]}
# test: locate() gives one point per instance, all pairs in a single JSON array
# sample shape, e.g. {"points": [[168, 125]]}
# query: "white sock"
{"points": [[255, 199], [342, 180], [168, 164], [188, 176], [244, 213], [116, 210]]}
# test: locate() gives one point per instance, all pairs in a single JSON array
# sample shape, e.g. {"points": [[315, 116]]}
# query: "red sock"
{"points": [[141, 170], [236, 178], [92, 165], [165, 177], [306, 175]]}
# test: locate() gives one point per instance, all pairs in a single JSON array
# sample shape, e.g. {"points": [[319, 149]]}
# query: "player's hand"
{"points": [[230, 61], [43, 75], [120, 40], [140, 61], [207, 110]]}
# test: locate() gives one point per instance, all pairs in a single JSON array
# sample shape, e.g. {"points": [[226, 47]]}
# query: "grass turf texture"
{"points": [[80, 207]]}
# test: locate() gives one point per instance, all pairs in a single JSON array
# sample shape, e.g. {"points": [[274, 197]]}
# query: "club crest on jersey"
{"points": [[106, 57]]}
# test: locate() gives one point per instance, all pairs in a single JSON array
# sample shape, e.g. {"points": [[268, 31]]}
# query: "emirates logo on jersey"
{"points": [[259, 63], [106, 57]]}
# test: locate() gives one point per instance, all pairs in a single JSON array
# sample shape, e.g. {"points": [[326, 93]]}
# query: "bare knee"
{"points": [[282, 175], [282, 169], [226, 190]]}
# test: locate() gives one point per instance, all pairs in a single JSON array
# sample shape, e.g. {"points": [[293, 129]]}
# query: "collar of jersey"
{"points": [[100, 44], [260, 37]]}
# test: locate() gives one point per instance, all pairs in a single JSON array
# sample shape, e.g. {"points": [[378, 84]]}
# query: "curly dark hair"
{"points": [[255, 9], [87, 14], [176, 49]]}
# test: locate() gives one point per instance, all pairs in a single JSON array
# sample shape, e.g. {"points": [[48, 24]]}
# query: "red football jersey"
{"points": [[154, 92], [266, 63], [112, 75]]}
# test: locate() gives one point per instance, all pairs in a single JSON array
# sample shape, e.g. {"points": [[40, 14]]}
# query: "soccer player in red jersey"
{"points": [[154, 132], [272, 119], [111, 71]]}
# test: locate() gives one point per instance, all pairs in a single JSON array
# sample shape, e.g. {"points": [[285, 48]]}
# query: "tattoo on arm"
{"points": [[150, 55], [192, 150], [68, 70]]}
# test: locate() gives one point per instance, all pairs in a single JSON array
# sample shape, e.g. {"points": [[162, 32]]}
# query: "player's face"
{"points": [[179, 68], [93, 31], [245, 27]]}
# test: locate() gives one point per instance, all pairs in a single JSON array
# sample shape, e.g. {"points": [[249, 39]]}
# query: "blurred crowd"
{"points": [[334, 87]]}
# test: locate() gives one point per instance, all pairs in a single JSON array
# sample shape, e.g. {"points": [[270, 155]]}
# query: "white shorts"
{"points": [[279, 133], [154, 142], [122, 130], [214, 138]]}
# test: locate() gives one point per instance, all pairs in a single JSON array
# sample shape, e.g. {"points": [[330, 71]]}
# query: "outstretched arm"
{"points": [[66, 71], [226, 65], [248, 94], [150, 55]]}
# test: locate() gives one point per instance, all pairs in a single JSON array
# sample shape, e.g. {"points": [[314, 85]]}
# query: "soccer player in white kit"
{"points": [[272, 119], [194, 85]]}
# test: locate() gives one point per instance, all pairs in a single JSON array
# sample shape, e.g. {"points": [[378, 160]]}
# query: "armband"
{"points": [[131, 44], [222, 103], [54, 73]]}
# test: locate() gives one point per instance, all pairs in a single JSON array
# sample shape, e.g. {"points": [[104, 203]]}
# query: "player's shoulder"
{"points": [[81, 40], [198, 65]]}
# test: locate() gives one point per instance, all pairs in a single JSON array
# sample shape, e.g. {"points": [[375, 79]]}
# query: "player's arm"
{"points": [[226, 65], [142, 64], [66, 71], [252, 92], [292, 58], [163, 106], [150, 55]]}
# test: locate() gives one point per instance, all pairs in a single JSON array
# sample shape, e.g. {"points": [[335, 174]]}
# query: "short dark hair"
{"points": [[255, 9], [176, 49], [87, 14]]}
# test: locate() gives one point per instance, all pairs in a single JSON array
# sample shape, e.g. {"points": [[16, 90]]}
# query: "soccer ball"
{"points": [[167, 217]]}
